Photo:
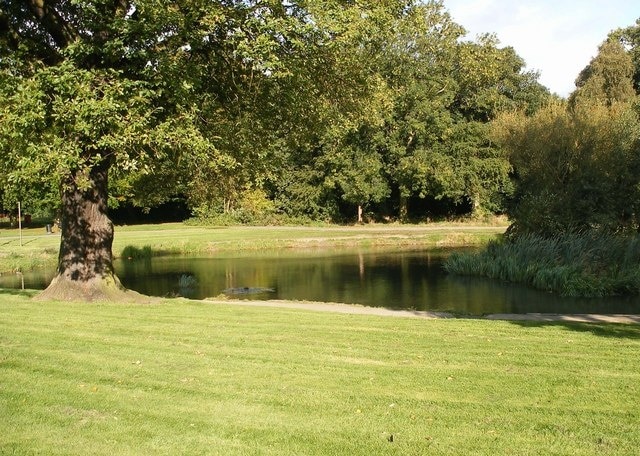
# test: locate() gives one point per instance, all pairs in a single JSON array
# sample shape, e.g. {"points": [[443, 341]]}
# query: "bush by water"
{"points": [[579, 265]]}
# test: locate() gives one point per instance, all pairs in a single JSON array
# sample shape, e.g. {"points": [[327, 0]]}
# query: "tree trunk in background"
{"points": [[476, 208], [359, 213], [85, 263], [403, 211]]}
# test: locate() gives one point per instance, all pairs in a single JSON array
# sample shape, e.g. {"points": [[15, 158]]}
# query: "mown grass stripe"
{"points": [[186, 377]]}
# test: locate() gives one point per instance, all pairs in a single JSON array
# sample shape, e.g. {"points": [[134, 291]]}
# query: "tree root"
{"points": [[99, 289]]}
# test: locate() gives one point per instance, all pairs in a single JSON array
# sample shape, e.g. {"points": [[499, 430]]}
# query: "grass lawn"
{"points": [[181, 377], [39, 249]]}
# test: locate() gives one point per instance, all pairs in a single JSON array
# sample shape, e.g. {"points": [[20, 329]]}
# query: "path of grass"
{"points": [[185, 377], [39, 249]]}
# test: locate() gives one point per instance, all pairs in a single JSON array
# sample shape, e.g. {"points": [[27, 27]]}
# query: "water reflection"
{"points": [[399, 279]]}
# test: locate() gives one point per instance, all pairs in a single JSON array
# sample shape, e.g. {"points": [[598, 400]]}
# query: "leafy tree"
{"points": [[576, 163], [356, 171], [417, 64], [576, 170], [95, 87], [491, 79], [311, 176], [607, 79], [630, 39], [443, 91]]}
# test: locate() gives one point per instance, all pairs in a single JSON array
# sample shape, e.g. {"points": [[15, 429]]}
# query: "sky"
{"points": [[557, 38]]}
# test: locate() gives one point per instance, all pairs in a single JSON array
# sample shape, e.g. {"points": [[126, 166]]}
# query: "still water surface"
{"points": [[394, 279]]}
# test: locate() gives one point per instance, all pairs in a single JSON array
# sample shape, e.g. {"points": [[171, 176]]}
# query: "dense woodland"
{"points": [[268, 112], [259, 110], [271, 111]]}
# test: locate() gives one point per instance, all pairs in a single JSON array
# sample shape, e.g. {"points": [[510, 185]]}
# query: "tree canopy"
{"points": [[308, 108], [577, 163]]}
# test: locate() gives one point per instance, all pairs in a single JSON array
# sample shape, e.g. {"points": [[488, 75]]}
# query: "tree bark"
{"points": [[476, 208], [85, 263]]}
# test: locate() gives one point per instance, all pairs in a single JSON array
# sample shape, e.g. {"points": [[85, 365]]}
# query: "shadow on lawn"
{"points": [[612, 330], [17, 292]]}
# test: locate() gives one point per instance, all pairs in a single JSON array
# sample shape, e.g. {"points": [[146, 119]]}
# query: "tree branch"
{"points": [[62, 33], [7, 31]]}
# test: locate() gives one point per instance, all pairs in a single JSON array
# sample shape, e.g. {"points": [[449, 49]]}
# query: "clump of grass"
{"points": [[17, 262], [131, 252], [580, 265]]}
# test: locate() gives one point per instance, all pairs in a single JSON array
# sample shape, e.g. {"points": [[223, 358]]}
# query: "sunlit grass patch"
{"points": [[185, 377], [144, 241]]}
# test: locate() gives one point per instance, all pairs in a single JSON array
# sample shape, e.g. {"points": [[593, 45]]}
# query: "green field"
{"points": [[188, 377], [39, 249], [183, 377]]}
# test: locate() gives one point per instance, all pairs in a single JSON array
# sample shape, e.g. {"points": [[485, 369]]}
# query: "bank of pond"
{"points": [[398, 279]]}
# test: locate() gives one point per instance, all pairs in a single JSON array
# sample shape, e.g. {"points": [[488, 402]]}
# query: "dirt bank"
{"points": [[384, 312]]}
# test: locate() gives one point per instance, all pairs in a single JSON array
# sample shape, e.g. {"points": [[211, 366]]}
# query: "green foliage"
{"points": [[630, 38], [608, 79], [320, 106], [433, 138], [299, 193], [353, 168], [574, 170], [492, 79], [64, 119], [588, 265], [252, 207]]}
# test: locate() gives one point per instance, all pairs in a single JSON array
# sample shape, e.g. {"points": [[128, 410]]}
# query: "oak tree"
{"points": [[100, 88]]}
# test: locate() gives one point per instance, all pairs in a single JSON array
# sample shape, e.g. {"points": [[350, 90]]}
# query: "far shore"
{"points": [[36, 249]]}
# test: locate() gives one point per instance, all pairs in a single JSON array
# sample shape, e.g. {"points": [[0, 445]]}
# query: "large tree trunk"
{"points": [[85, 263]]}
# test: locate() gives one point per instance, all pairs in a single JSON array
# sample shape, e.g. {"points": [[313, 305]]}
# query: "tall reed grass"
{"points": [[580, 265]]}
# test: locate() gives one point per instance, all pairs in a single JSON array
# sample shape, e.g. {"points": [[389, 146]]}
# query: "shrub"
{"points": [[134, 253], [585, 265]]}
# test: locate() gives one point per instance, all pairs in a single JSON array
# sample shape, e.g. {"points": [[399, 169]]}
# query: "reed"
{"points": [[580, 265]]}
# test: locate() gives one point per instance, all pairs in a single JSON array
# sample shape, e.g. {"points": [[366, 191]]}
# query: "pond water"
{"points": [[380, 278]]}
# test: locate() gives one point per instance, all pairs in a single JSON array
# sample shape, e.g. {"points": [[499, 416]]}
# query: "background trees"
{"points": [[284, 102], [425, 134], [577, 163], [155, 91]]}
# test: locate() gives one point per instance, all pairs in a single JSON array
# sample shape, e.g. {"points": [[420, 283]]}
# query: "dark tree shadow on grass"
{"points": [[610, 330], [16, 292]]}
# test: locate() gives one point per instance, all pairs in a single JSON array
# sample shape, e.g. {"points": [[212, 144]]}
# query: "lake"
{"points": [[404, 279]]}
